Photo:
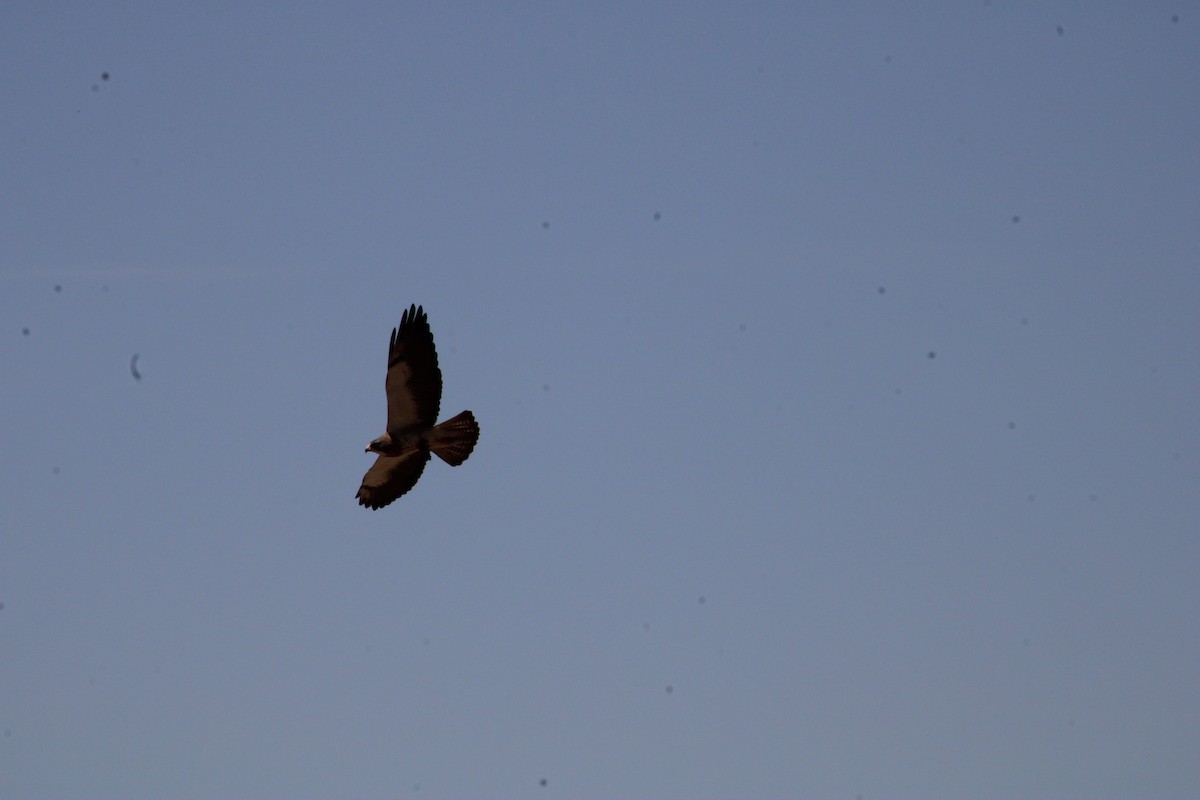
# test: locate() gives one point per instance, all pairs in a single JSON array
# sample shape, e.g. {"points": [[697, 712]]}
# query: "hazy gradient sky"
{"points": [[836, 365]]}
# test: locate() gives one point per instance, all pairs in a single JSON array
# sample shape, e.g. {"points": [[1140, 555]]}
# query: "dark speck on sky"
{"points": [[58, 287], [657, 216], [24, 331], [1059, 30], [933, 354], [1016, 218]]}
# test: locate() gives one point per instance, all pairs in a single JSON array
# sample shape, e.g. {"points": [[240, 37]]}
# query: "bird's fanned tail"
{"points": [[453, 440]]}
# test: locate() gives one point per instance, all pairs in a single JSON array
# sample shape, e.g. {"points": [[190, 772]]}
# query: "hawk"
{"points": [[414, 392]]}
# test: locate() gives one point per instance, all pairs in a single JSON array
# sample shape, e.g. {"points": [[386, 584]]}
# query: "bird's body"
{"points": [[399, 447], [414, 392]]}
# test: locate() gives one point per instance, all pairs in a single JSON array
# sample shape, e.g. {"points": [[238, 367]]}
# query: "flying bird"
{"points": [[414, 393]]}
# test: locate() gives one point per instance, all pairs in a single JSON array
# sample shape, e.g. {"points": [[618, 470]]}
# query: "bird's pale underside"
{"points": [[414, 393]]}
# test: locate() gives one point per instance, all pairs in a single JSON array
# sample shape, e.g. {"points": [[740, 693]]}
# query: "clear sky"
{"points": [[836, 366]]}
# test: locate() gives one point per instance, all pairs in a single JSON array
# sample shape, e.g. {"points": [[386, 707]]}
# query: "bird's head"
{"points": [[379, 445]]}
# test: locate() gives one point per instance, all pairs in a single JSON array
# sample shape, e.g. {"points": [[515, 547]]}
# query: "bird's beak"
{"points": [[367, 450]]}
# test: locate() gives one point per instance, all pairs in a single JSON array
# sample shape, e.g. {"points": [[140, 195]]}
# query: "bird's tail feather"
{"points": [[453, 440]]}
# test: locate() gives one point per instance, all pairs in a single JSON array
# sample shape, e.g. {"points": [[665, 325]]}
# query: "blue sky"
{"points": [[836, 367]]}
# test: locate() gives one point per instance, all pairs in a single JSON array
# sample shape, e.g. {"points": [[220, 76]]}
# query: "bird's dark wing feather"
{"points": [[414, 382], [390, 477]]}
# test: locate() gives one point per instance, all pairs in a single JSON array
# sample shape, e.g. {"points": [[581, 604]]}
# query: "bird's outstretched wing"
{"points": [[390, 477], [414, 382]]}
